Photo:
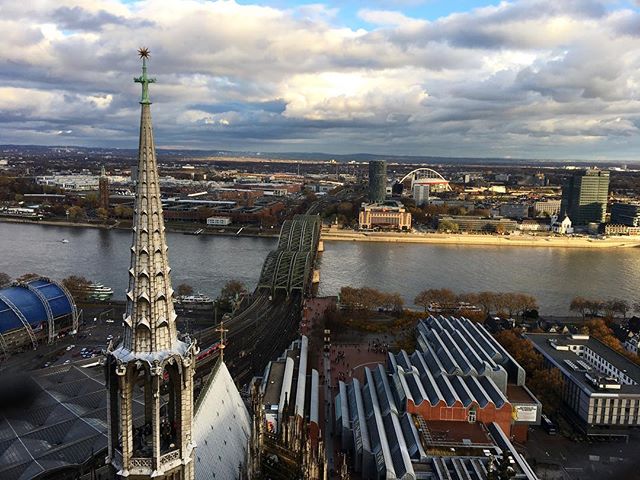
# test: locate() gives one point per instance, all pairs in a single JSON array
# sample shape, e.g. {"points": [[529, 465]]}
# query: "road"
{"points": [[596, 460]]}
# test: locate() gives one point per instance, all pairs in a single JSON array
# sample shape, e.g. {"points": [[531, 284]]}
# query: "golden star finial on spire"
{"points": [[144, 52]]}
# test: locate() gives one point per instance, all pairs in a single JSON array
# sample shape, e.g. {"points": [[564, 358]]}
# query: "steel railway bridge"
{"points": [[289, 268], [267, 323]]}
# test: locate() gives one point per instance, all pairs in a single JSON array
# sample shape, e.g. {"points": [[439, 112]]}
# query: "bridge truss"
{"points": [[290, 267]]}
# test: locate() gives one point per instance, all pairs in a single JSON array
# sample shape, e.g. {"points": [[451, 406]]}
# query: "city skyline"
{"points": [[522, 79]]}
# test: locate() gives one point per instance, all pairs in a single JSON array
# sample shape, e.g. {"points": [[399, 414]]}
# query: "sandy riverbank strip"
{"points": [[492, 240]]}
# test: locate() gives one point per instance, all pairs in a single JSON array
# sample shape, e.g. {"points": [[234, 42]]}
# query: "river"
{"points": [[553, 275]]}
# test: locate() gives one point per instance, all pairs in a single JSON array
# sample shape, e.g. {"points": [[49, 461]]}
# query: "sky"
{"points": [[549, 79]]}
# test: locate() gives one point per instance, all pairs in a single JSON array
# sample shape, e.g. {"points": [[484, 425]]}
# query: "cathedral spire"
{"points": [[151, 366], [150, 317]]}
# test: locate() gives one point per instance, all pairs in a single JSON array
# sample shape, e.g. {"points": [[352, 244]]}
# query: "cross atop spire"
{"points": [[144, 54], [223, 337]]}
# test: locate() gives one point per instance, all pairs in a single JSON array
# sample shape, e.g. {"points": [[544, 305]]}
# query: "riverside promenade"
{"points": [[471, 239]]}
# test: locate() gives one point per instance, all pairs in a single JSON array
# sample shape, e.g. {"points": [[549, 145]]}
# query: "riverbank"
{"points": [[186, 229], [490, 240]]}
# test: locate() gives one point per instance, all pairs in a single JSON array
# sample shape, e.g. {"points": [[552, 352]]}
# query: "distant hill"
{"points": [[186, 155]]}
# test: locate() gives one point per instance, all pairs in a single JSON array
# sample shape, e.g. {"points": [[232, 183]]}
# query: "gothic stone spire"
{"points": [[150, 317]]}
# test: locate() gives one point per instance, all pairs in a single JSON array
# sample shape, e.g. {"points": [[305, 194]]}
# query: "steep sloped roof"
{"points": [[221, 428]]}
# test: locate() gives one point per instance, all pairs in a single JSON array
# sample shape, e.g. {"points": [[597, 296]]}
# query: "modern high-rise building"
{"points": [[625, 214], [377, 181], [584, 197], [421, 193]]}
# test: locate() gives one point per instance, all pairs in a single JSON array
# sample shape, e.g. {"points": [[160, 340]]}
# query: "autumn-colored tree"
{"points": [[470, 298], [487, 300], [599, 329], [233, 289], [102, 214], [122, 211], [76, 213], [27, 276], [78, 286], [547, 384], [473, 315], [184, 289], [367, 299], [442, 296]]}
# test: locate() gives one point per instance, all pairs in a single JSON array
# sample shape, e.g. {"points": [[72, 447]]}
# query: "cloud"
{"points": [[522, 78]]}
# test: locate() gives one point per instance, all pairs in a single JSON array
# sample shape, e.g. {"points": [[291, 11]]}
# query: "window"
{"points": [[472, 416]]}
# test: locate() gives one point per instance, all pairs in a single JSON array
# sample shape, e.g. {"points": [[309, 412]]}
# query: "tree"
{"points": [[470, 298], [547, 384], [122, 211], [598, 328], [233, 289], [579, 304], [487, 300], [76, 213], [424, 299], [4, 279], [91, 200], [27, 276], [102, 214], [185, 289], [448, 226], [229, 295], [594, 307], [620, 306], [78, 286], [526, 303]]}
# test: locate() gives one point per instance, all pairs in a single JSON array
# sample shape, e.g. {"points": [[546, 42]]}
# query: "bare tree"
{"points": [[579, 304], [487, 300], [4, 279]]}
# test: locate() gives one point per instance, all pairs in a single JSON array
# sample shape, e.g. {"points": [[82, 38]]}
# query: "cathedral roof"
{"points": [[221, 428]]}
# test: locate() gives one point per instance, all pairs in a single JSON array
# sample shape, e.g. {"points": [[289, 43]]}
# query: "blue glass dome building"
{"points": [[33, 312]]}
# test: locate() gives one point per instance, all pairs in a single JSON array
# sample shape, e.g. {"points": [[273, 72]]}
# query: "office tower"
{"points": [[584, 197]]}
